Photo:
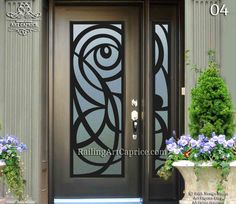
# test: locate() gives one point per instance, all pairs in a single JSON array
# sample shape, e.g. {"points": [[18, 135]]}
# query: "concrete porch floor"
{"points": [[100, 200]]}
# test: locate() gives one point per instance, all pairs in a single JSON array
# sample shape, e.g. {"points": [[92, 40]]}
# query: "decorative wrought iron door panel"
{"points": [[161, 90], [97, 98], [166, 102]]}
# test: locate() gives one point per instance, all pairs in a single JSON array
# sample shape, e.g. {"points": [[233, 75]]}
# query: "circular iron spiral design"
{"points": [[101, 54]]}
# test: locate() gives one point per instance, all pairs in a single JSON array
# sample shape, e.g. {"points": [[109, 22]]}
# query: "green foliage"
{"points": [[211, 111], [166, 170], [220, 157], [13, 174], [211, 108], [193, 67]]}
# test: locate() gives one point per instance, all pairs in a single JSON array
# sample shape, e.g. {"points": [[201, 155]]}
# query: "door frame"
{"points": [[145, 95]]}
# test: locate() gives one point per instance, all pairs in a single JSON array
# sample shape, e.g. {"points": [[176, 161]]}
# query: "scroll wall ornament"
{"points": [[23, 21]]}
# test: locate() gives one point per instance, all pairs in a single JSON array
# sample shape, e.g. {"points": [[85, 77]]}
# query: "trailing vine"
{"points": [[10, 147]]}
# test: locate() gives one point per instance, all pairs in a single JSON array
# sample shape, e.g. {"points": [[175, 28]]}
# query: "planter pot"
{"points": [[2, 199], [204, 190]]}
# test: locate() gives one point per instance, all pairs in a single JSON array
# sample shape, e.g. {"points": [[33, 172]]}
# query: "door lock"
{"points": [[134, 118], [134, 115]]}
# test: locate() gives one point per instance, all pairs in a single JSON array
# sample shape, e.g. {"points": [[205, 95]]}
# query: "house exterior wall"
{"points": [[23, 69], [24, 77], [228, 51], [204, 32]]}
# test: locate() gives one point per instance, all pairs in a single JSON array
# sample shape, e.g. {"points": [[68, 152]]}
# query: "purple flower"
{"points": [[193, 143], [2, 141], [9, 142], [230, 143], [12, 139], [202, 138], [170, 141], [185, 137], [206, 148], [23, 146], [211, 144], [19, 149], [4, 148], [201, 143], [171, 147], [234, 138], [214, 139], [182, 142], [221, 139], [202, 146]]}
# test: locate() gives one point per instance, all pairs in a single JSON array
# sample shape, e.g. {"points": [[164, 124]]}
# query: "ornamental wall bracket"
{"points": [[23, 21]]}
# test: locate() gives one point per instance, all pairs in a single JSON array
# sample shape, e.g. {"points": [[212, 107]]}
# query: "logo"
{"points": [[23, 21]]}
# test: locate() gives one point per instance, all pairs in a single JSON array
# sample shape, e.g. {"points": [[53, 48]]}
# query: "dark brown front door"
{"points": [[97, 63], [116, 83]]}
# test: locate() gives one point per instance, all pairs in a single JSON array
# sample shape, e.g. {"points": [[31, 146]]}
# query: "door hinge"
{"points": [[183, 91]]}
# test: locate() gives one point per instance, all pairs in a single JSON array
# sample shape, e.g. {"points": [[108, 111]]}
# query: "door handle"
{"points": [[134, 118]]}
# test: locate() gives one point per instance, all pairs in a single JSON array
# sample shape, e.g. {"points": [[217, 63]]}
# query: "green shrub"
{"points": [[211, 108]]}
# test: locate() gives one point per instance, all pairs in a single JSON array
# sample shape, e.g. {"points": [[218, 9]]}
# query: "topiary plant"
{"points": [[211, 108]]}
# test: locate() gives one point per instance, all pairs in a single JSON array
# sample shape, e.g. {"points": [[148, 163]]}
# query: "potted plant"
{"points": [[206, 159], [11, 166]]}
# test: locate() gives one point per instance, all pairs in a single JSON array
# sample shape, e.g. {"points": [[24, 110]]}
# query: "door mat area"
{"points": [[100, 200]]}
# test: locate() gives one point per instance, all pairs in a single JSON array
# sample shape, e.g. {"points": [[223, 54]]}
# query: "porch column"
{"points": [[23, 68]]}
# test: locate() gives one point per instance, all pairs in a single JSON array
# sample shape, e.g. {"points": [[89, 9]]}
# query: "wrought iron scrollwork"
{"points": [[161, 91], [96, 98]]}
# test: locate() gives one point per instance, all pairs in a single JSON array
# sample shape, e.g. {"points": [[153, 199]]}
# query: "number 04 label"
{"points": [[215, 10]]}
